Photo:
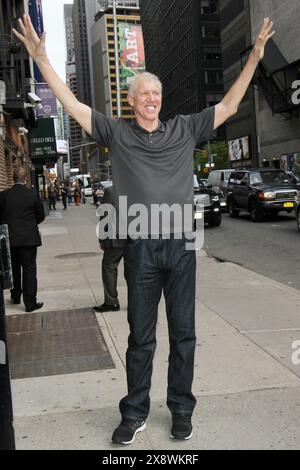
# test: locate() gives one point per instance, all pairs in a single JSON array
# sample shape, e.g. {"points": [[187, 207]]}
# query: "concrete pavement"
{"points": [[247, 388]]}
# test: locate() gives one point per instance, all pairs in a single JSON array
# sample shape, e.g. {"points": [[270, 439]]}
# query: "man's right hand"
{"points": [[35, 46], [37, 50]]}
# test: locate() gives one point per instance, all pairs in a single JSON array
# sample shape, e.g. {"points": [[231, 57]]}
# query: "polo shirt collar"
{"points": [[160, 128]]}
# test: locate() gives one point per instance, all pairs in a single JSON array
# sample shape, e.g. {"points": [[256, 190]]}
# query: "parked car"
{"points": [[204, 181], [260, 192], [294, 178], [210, 202], [88, 191], [218, 179], [297, 210]]}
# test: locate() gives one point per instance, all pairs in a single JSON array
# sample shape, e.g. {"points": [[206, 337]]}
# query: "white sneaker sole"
{"points": [[182, 438], [140, 429]]}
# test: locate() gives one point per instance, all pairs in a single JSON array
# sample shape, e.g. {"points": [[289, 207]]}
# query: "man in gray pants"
{"points": [[113, 253]]}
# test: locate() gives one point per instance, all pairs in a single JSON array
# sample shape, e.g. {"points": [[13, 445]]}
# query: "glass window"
{"points": [[208, 7], [214, 76], [211, 30], [236, 177]]}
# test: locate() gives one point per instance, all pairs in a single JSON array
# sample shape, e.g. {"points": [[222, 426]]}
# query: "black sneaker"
{"points": [[125, 433], [181, 427], [106, 308]]}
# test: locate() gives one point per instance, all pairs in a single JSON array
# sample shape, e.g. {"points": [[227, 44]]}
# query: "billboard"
{"points": [[42, 141], [49, 103], [239, 149], [132, 53], [36, 15]]}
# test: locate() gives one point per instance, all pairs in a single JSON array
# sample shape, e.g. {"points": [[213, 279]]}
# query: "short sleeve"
{"points": [[201, 125], [103, 128]]}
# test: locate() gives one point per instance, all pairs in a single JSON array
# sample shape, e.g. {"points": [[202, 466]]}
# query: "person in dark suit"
{"points": [[22, 210], [113, 253]]}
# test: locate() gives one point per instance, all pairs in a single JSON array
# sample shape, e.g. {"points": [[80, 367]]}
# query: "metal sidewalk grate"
{"points": [[53, 343]]}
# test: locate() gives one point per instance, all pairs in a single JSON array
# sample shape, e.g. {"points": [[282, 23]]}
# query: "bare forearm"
{"points": [[237, 92], [59, 88]]}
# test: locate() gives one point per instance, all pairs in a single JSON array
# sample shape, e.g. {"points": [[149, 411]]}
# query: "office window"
{"points": [[211, 31], [209, 7], [213, 98], [214, 77], [212, 54]]}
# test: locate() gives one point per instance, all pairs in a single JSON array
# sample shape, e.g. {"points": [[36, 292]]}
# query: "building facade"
{"points": [[17, 116], [71, 78], [278, 119], [103, 52], [267, 121], [82, 60], [182, 47]]}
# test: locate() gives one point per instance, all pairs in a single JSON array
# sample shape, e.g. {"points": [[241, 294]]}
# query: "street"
{"points": [[270, 248]]}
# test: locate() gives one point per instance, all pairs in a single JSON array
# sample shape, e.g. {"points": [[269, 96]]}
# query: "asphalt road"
{"points": [[270, 248]]}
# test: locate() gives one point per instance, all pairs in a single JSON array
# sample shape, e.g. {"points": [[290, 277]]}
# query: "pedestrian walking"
{"points": [[113, 251], [22, 210], [64, 195], [52, 196], [69, 193], [152, 163], [77, 194]]}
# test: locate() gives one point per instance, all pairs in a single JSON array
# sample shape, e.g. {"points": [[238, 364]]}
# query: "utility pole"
{"points": [[117, 60]]}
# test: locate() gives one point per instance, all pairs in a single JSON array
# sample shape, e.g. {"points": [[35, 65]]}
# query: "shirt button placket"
{"points": [[150, 139]]}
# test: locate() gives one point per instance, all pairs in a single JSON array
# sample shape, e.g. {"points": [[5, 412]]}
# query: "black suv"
{"points": [[207, 198], [260, 192]]}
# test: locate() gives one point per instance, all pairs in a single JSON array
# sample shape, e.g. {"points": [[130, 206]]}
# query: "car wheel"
{"points": [[255, 213], [231, 209], [298, 220], [216, 220]]}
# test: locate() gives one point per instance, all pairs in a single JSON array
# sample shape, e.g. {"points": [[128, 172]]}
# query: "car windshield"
{"points": [[269, 177]]}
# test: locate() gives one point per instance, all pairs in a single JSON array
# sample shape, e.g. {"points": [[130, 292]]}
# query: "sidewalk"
{"points": [[247, 388]]}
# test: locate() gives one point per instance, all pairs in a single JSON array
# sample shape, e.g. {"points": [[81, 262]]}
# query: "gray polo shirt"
{"points": [[152, 168]]}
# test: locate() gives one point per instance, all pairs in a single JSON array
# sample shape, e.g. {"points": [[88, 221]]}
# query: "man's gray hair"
{"points": [[143, 76]]}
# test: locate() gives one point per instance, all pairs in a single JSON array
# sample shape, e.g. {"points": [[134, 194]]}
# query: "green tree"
{"points": [[219, 150]]}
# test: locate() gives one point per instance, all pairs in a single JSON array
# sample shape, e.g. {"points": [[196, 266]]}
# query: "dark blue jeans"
{"points": [[153, 267]]}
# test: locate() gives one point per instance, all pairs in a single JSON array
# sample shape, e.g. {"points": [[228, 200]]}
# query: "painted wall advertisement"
{"points": [[36, 15], [49, 104], [132, 53], [42, 140], [239, 149]]}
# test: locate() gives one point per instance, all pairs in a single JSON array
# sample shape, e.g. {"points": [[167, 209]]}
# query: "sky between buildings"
{"points": [[53, 11]]}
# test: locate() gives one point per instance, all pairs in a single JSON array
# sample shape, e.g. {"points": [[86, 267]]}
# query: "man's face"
{"points": [[146, 101]]}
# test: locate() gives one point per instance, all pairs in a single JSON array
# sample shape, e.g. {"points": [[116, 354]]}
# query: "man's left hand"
{"points": [[265, 34]]}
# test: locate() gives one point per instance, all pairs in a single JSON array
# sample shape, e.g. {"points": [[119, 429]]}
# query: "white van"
{"points": [[218, 179]]}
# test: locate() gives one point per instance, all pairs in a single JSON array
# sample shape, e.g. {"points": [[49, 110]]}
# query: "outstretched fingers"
{"points": [[18, 35], [266, 32], [30, 28], [271, 35], [22, 27]]}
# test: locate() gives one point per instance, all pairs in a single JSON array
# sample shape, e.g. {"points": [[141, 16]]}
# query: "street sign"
{"points": [[42, 140], [49, 103]]}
